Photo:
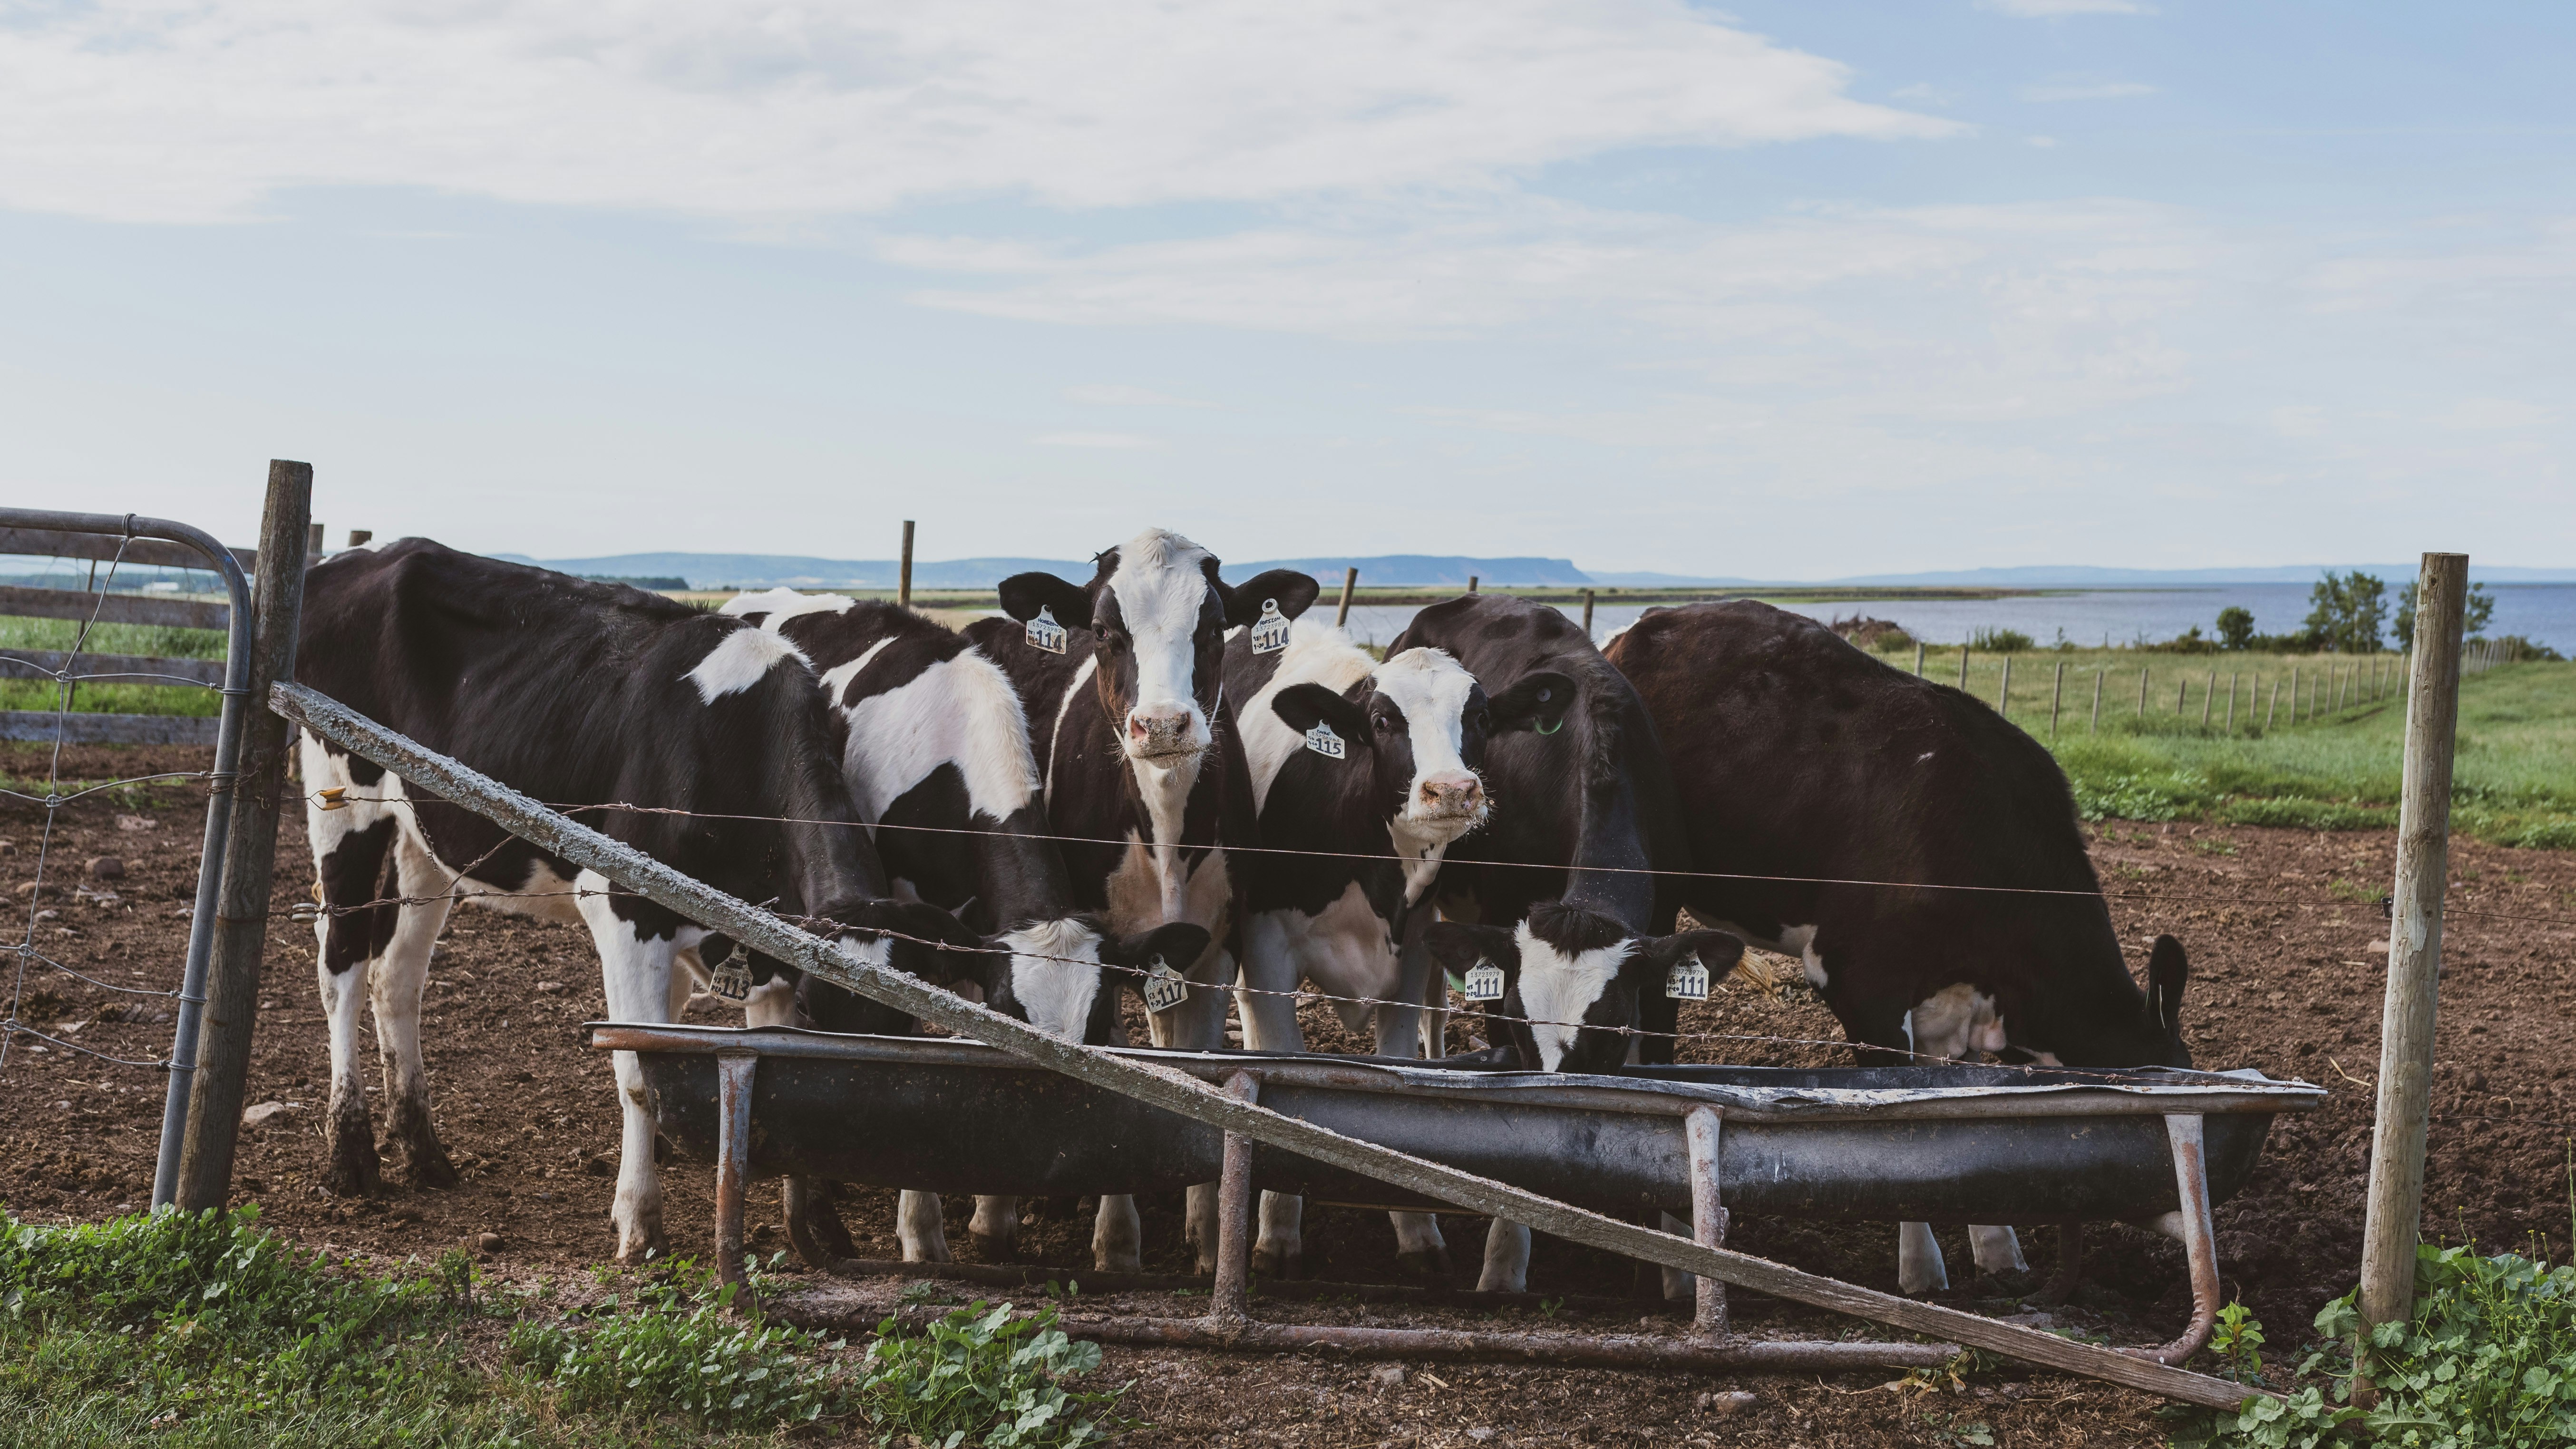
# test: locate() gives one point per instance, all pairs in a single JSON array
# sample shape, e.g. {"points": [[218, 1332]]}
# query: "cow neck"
{"points": [[1419, 856], [1165, 795], [1603, 870]]}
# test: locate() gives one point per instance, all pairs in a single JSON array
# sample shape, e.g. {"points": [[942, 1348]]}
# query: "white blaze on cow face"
{"points": [[1056, 993], [1446, 799], [739, 661], [1556, 989], [1161, 585]]}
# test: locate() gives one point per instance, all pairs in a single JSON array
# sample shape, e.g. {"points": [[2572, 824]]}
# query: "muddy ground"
{"points": [[2279, 924]]}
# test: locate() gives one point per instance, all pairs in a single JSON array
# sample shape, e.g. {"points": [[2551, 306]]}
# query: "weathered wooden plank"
{"points": [[83, 728], [1179, 1092], [52, 543], [119, 668], [113, 608]]}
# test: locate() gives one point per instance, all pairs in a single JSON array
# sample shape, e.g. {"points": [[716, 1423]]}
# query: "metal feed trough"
{"points": [[1954, 1145]]}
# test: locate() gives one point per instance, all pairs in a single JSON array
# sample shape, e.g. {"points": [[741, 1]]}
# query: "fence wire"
{"points": [[67, 680]]}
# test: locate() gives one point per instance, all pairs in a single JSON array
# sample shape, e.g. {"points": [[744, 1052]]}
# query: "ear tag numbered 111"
{"points": [[1484, 982], [1324, 742], [1687, 980], [1045, 633], [1270, 631], [1165, 988]]}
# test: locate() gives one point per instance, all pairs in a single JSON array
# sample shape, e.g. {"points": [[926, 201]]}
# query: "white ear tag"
{"points": [[1324, 742], [1270, 631], [1045, 633], [732, 980], [1484, 982], [1165, 988], [1687, 980]]}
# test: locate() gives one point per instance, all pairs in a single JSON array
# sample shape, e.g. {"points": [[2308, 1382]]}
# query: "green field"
{"points": [[151, 641], [2514, 781]]}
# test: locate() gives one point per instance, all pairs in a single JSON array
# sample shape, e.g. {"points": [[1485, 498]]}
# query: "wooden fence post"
{"points": [[2208, 697], [2097, 701], [1963, 666], [2230, 726], [1587, 613], [903, 579], [361, 537], [2396, 1201], [2275, 707], [1471, 583], [313, 541], [1918, 659], [250, 854], [2056, 692], [2003, 692], [2182, 694], [1351, 581], [2142, 694]]}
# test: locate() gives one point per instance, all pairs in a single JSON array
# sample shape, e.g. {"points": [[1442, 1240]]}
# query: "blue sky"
{"points": [[1780, 290]]}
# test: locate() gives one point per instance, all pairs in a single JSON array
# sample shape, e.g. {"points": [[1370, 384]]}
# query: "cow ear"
{"points": [[1303, 706], [1024, 594], [2168, 971], [1293, 591], [1178, 944], [1718, 951], [1458, 946], [1535, 701]]}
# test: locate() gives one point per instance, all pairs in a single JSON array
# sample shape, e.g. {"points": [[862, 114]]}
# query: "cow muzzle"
{"points": [[1163, 732], [1447, 797]]}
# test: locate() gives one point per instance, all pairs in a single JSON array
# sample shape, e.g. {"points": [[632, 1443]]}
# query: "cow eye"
{"points": [[1114, 639], [1386, 724]]}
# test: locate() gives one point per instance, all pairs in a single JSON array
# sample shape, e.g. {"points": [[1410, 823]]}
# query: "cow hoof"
{"points": [[995, 1249], [1117, 1263], [427, 1166], [1274, 1263], [1425, 1265], [636, 1248], [354, 1170]]}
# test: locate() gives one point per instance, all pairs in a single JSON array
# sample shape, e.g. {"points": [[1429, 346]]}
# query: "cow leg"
{"points": [[1507, 1254], [996, 1229], [1198, 1024], [1117, 1234], [349, 845], [1269, 1012], [1997, 1250], [395, 986], [635, 971], [1419, 1249], [924, 1231], [1919, 1267]]}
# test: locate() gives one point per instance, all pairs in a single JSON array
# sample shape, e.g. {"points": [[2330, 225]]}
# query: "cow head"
{"points": [[1420, 721], [1050, 974], [1573, 979], [1158, 614], [2150, 1038], [912, 937]]}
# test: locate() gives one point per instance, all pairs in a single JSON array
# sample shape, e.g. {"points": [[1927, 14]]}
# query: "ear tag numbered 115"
{"points": [[1045, 633], [1687, 980], [1324, 742], [1165, 988], [1484, 982], [1270, 631]]}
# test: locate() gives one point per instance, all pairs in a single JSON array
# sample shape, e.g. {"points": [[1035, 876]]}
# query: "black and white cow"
{"points": [[580, 694], [1560, 889], [1351, 755], [1796, 754], [1144, 771], [938, 757]]}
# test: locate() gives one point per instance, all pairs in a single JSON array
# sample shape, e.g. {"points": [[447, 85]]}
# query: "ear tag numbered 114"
{"points": [[1687, 980], [1324, 742], [1484, 982], [1045, 633], [1270, 631], [1165, 988]]}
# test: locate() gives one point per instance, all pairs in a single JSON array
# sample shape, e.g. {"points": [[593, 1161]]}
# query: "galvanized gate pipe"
{"points": [[1178, 1092], [219, 797]]}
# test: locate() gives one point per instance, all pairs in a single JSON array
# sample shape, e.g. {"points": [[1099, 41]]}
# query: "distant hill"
{"points": [[769, 571], [1417, 569]]}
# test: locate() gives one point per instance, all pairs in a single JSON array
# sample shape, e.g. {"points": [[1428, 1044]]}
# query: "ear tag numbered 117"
{"points": [[1324, 742], [1165, 988], [1687, 980], [1484, 982], [1270, 631], [1045, 633]]}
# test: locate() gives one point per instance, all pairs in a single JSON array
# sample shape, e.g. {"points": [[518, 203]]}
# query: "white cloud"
{"points": [[2497, 414], [173, 110], [2087, 91], [2040, 9], [1095, 440], [1119, 395]]}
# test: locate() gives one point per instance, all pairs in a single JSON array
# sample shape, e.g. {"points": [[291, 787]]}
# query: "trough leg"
{"points": [[733, 1156], [1708, 1219], [2199, 1237], [1227, 1306]]}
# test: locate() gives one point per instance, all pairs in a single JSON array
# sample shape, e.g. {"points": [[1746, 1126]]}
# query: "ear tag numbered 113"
{"points": [[1324, 742], [732, 980], [1687, 980], [1045, 633], [1270, 631], [1165, 988], [1484, 982]]}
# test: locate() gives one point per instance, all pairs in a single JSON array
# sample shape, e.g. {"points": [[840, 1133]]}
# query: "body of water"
{"points": [[2542, 613]]}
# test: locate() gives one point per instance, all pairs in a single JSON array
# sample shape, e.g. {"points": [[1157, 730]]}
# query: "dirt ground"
{"points": [[2286, 977]]}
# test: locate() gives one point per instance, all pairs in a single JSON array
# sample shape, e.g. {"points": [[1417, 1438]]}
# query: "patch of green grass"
{"points": [[19, 690], [102, 698], [2513, 777], [155, 640]]}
